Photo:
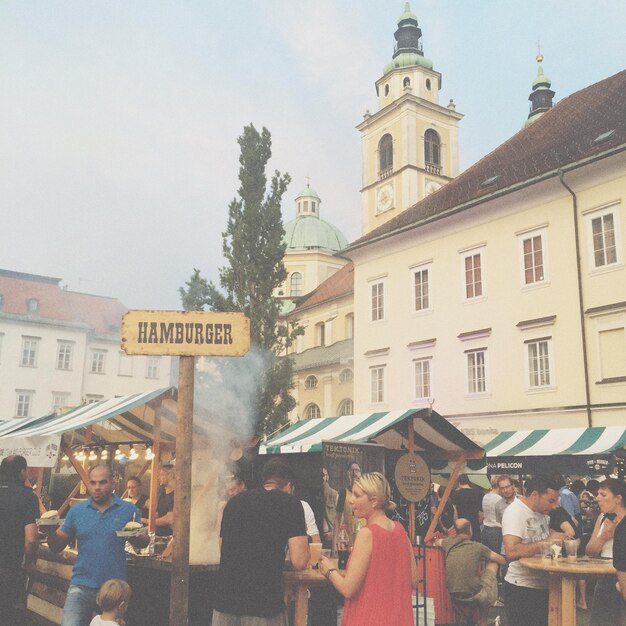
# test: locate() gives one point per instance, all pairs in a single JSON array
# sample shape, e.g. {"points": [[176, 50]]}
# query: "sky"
{"points": [[119, 120]]}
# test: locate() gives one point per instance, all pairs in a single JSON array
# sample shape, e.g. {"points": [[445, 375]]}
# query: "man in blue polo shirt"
{"points": [[94, 523]]}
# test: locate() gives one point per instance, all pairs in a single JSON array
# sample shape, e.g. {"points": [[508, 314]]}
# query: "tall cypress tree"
{"points": [[254, 249]]}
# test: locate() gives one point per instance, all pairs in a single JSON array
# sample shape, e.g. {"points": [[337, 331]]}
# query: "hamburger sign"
{"points": [[185, 333]]}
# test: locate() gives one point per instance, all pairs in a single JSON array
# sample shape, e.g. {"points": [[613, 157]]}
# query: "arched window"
{"points": [[295, 287], [385, 155], [312, 412], [310, 382], [432, 148], [320, 334], [346, 376], [346, 407]]}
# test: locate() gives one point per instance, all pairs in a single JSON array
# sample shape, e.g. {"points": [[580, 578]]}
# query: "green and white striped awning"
{"points": [[119, 412], [557, 441], [432, 434]]}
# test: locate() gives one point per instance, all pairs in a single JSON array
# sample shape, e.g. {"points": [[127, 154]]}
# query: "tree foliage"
{"points": [[254, 248]]}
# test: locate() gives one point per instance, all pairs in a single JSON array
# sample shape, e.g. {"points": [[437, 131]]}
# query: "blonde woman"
{"points": [[381, 571]]}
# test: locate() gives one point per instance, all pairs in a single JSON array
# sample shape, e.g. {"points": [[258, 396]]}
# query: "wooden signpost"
{"points": [[186, 334]]}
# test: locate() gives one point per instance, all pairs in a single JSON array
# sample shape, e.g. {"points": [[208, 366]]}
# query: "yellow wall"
{"points": [[496, 226]]}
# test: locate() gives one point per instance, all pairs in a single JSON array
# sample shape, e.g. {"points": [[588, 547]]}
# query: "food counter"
{"points": [[149, 578]]}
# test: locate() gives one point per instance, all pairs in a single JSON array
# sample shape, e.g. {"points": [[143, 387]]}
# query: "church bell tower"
{"points": [[410, 145]]}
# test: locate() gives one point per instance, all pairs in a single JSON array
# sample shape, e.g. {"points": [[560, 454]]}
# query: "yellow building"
{"points": [[501, 298], [318, 294], [410, 145]]}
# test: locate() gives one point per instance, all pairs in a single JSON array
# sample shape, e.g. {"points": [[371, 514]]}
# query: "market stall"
{"points": [[93, 434], [579, 451]]}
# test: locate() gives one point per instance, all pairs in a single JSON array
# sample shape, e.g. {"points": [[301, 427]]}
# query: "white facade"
{"points": [[48, 364]]}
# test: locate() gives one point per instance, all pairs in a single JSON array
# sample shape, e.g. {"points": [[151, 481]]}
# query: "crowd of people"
{"points": [[483, 538]]}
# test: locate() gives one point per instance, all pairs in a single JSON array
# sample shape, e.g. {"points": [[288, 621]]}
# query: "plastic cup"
{"points": [[546, 550], [316, 550], [571, 549], [326, 552], [556, 548]]}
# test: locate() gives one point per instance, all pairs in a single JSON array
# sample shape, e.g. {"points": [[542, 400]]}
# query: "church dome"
{"points": [[308, 231]]}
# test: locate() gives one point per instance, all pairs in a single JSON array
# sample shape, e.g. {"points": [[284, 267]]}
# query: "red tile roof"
{"points": [[341, 283], [559, 139], [99, 313]]}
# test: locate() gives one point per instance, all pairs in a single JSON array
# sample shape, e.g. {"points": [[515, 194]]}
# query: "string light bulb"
{"points": [[149, 454], [133, 454], [118, 454], [92, 455], [105, 454], [81, 455]]}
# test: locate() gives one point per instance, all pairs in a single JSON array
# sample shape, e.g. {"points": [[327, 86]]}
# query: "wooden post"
{"points": [[154, 477], [444, 499], [179, 582]]}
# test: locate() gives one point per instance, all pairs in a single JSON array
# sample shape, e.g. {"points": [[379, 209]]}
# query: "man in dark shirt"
{"points": [[18, 534], [469, 504], [257, 526], [619, 563], [165, 504]]}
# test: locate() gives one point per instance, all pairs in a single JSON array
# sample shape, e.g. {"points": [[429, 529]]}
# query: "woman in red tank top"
{"points": [[381, 573]]}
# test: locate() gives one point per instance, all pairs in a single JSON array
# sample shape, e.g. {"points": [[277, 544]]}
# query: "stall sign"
{"points": [[412, 477], [40, 451], [185, 333]]}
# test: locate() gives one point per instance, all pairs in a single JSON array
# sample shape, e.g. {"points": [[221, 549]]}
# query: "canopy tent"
{"points": [[566, 450], [123, 419], [432, 434], [423, 431]]}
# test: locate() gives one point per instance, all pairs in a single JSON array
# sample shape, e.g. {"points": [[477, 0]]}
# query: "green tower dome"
{"points": [[308, 231], [408, 48]]}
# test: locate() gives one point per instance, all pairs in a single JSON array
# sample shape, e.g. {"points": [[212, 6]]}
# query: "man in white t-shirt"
{"points": [[525, 524]]}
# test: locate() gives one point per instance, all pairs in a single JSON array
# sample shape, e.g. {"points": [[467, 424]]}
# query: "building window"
{"points": [[312, 412], [295, 284], [93, 398], [313, 206], [30, 348], [539, 363], [406, 82], [349, 326], [346, 376], [422, 378], [432, 150], [612, 350], [604, 243], [310, 382], [377, 384], [533, 258], [32, 305], [476, 371], [473, 274], [320, 334], [125, 365], [64, 356], [377, 301], [385, 155], [60, 400], [24, 403], [346, 407], [421, 289], [97, 361], [152, 366]]}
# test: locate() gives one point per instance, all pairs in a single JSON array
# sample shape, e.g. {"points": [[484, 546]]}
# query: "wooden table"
{"points": [[563, 575], [297, 585]]}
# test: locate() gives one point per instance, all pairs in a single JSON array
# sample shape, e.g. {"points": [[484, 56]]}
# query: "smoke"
{"points": [[225, 391]]}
